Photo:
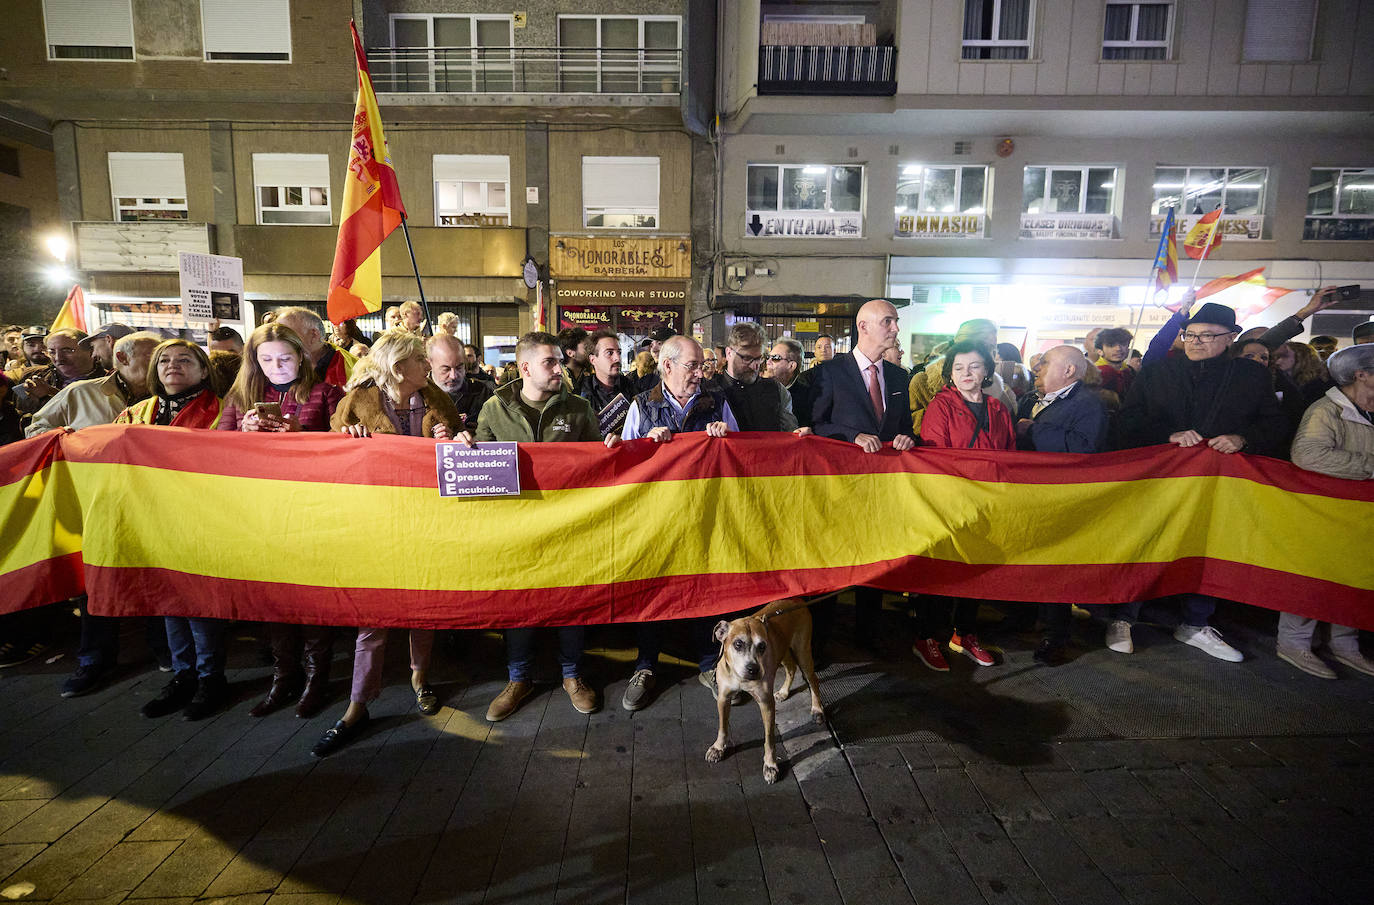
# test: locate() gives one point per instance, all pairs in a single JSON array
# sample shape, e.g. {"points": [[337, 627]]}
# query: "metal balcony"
{"points": [[525, 70], [827, 70]]}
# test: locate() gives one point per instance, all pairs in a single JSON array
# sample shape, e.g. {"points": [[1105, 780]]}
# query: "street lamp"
{"points": [[58, 246]]}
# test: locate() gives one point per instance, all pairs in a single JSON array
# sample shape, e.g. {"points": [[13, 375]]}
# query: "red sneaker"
{"points": [[928, 652], [968, 646]]}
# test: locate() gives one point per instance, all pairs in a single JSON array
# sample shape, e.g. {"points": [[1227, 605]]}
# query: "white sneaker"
{"points": [[1119, 637], [1355, 660], [1208, 640], [1307, 661]]}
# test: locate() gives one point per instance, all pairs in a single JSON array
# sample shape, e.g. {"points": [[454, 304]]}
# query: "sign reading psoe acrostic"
{"points": [[484, 470]]}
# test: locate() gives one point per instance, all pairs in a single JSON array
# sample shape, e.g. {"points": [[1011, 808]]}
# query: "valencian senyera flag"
{"points": [[371, 207], [651, 531], [1204, 236], [1166, 258], [73, 312]]}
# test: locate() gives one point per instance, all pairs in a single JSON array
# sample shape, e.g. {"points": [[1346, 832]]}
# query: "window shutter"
{"points": [[291, 169], [471, 167], [1279, 31], [620, 182], [147, 175], [247, 26], [89, 23]]}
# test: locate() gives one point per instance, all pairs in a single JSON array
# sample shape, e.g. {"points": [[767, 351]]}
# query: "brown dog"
{"points": [[751, 650]]}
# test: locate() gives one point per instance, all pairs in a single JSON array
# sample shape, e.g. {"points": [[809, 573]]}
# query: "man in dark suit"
{"points": [[862, 399]]}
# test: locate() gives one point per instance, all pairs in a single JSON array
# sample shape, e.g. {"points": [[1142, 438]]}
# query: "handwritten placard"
{"points": [[487, 469], [612, 418]]}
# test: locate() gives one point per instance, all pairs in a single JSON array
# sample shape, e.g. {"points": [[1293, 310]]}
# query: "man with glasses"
{"points": [[71, 361], [1204, 397], [679, 403], [759, 403], [784, 361]]}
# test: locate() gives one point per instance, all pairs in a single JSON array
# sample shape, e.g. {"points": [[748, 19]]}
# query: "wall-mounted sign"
{"points": [[940, 226], [587, 293], [802, 225], [1337, 229], [1232, 227], [1068, 226], [588, 317], [474, 220], [667, 258]]}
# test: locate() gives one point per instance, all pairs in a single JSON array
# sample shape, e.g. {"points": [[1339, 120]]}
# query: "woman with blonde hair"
{"points": [[645, 364], [277, 391], [390, 393], [448, 322]]}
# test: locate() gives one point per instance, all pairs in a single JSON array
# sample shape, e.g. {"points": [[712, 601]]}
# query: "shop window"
{"points": [[471, 190], [1340, 204], [292, 189], [620, 192], [1137, 31], [1069, 190], [246, 31], [89, 29], [941, 201], [148, 186], [998, 29]]}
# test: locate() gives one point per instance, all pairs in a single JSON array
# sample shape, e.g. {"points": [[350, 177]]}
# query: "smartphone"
{"points": [[1346, 293], [268, 409]]}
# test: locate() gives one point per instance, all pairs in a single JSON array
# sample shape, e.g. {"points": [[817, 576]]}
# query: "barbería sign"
{"points": [[571, 257], [1232, 227], [1067, 226], [802, 225], [940, 226]]}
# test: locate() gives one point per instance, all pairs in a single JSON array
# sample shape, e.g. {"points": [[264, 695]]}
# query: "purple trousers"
{"points": [[369, 656]]}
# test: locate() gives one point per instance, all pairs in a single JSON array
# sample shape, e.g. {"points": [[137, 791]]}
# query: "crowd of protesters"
{"points": [[1201, 382]]}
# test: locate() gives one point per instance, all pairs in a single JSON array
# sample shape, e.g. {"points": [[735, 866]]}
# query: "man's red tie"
{"points": [[875, 393]]}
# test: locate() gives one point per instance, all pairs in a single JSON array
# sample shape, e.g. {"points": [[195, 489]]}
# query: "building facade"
{"points": [[1015, 159], [223, 126]]}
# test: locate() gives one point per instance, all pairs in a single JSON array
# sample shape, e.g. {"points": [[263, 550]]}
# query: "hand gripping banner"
{"points": [[319, 528]]}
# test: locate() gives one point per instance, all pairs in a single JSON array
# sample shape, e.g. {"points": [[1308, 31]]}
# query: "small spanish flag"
{"points": [[371, 207], [73, 312], [1166, 258], [1204, 236]]}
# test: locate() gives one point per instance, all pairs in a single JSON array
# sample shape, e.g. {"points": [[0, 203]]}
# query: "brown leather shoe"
{"points": [[317, 658], [583, 698], [509, 699], [285, 687]]}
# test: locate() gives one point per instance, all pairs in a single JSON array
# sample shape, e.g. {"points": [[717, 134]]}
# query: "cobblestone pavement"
{"points": [[1163, 776]]}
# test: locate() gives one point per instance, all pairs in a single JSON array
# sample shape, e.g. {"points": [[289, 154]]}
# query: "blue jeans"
{"points": [[649, 640], [520, 651], [99, 646], [196, 644]]}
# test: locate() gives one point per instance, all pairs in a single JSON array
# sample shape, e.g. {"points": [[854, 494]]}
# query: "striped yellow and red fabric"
{"points": [[371, 210], [327, 529]]}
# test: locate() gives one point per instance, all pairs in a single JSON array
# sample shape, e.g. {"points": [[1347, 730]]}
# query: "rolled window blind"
{"points": [[1279, 31], [255, 27], [471, 167], [291, 169], [620, 182], [89, 23], [141, 174]]}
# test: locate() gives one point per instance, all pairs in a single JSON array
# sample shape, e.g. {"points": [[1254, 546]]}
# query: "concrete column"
{"points": [[537, 175], [69, 206], [223, 182]]}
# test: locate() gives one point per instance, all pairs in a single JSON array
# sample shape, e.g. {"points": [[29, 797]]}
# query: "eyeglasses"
{"points": [[688, 366], [747, 359], [781, 358], [1191, 337]]}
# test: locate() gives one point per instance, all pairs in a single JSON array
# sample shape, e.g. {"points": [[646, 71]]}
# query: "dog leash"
{"points": [[798, 605]]}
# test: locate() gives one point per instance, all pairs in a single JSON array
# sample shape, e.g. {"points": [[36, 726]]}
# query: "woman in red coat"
{"points": [[962, 416]]}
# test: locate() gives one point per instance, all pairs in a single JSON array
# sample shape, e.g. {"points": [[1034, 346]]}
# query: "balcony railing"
{"points": [[837, 70], [525, 70]]}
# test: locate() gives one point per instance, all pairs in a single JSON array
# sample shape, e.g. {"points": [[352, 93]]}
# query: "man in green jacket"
{"points": [[538, 408]]}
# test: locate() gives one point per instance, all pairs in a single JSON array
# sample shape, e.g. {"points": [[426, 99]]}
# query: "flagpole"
{"points": [[429, 325]]}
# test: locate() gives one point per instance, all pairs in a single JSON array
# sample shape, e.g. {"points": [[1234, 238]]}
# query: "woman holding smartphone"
{"points": [[277, 392]]}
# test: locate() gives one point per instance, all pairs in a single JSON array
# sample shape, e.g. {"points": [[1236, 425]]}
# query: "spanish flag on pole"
{"points": [[1166, 258], [371, 207], [1204, 236], [73, 312]]}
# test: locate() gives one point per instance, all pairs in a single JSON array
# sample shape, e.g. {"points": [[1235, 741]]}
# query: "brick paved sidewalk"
{"points": [[1159, 777]]}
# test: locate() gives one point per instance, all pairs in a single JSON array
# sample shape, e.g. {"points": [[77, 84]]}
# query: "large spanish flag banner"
{"points": [[322, 528], [371, 207]]}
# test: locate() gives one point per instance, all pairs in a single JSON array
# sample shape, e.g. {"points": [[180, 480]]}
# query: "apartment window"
{"points": [[1137, 31], [148, 186], [620, 192], [471, 190], [941, 189], [998, 29], [1279, 31], [620, 54], [292, 189], [805, 187], [1340, 204], [246, 31], [453, 53], [1238, 191], [9, 160], [89, 29]]}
